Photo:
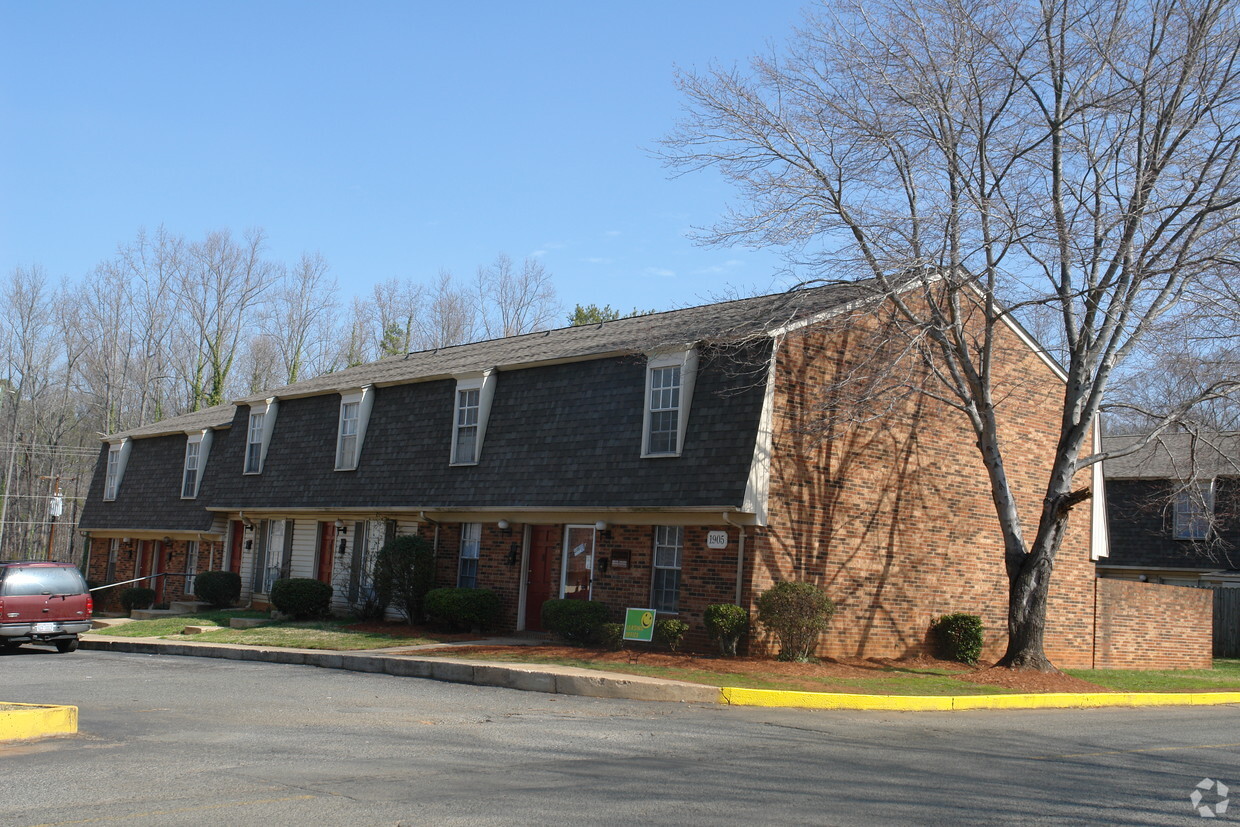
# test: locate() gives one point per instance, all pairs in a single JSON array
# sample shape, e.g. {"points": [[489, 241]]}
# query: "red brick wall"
{"points": [[1151, 626], [174, 560], [892, 514]]}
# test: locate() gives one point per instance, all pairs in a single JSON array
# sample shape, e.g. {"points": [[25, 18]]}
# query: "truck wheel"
{"points": [[64, 646]]}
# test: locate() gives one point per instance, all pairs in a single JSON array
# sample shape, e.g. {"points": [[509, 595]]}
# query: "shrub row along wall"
{"points": [[1151, 626]]}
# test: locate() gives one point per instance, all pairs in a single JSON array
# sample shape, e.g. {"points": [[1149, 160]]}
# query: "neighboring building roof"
{"points": [[1173, 456], [220, 416], [727, 321]]}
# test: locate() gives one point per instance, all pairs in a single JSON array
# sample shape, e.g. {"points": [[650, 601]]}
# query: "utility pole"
{"points": [[55, 507]]}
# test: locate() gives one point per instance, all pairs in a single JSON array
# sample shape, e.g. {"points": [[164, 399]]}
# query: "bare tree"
{"points": [[221, 284], [297, 319], [450, 317], [974, 159], [512, 303], [397, 308]]}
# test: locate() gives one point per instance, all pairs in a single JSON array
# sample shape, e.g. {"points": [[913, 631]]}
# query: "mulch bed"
{"points": [[812, 675]]}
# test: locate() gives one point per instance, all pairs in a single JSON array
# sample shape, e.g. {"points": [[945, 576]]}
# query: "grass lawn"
{"points": [[317, 634], [1224, 676]]}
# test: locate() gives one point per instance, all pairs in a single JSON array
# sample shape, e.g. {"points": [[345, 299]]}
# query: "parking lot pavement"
{"points": [[174, 740]]}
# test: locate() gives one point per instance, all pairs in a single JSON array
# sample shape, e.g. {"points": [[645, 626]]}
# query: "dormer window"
{"points": [[465, 446], [258, 434], [354, 414], [254, 444], [470, 412], [1194, 511], [118, 456], [669, 389], [189, 487], [111, 479], [197, 445]]}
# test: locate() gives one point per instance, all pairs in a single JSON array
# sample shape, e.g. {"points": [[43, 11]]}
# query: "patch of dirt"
{"points": [[812, 677], [398, 629]]}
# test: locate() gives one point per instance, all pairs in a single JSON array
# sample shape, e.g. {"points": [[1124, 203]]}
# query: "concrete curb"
{"points": [[947, 703], [567, 680], [561, 680], [19, 722]]}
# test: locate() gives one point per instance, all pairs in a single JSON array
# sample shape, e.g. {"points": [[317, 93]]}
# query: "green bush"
{"points": [[137, 598], [576, 621], [463, 609], [670, 632], [726, 623], [220, 589], [958, 637], [611, 636], [404, 572], [795, 612], [301, 597]]}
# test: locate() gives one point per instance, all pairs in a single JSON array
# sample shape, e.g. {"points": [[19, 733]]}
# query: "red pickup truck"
{"points": [[43, 603]]}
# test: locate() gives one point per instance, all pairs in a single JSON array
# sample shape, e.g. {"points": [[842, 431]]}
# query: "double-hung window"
{"points": [[471, 542], [470, 410], [346, 448], [189, 484], [669, 390], [664, 410], [669, 544], [254, 443], [465, 449], [111, 478], [1194, 508]]}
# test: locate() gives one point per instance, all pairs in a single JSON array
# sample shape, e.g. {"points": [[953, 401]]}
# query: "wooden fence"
{"points": [[1227, 622]]}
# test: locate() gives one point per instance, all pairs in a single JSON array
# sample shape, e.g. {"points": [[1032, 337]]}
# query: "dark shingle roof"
{"points": [[727, 321], [1174, 456], [220, 416]]}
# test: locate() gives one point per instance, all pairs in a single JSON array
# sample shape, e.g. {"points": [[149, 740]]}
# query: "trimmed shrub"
{"points": [[137, 598], [301, 597], [670, 632], [611, 636], [795, 612], [726, 623], [958, 637], [220, 589], [463, 609], [404, 572], [576, 621]]}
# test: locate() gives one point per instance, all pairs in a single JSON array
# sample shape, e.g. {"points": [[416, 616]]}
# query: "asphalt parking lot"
{"points": [[176, 740]]}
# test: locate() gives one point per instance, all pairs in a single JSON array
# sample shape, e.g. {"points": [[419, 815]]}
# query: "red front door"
{"points": [[238, 540], [544, 546], [327, 542]]}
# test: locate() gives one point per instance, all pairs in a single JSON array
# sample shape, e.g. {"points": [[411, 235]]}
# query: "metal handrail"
{"points": [[144, 577]]}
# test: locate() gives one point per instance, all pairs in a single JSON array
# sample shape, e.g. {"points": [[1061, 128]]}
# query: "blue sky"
{"points": [[395, 139]]}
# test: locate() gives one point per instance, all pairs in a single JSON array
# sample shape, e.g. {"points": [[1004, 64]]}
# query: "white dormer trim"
{"points": [[268, 409], [114, 471], [687, 361], [1099, 534], [203, 440], [758, 485], [364, 398], [483, 382]]}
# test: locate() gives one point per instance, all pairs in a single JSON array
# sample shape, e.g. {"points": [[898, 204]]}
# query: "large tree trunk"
{"points": [[1029, 578]]}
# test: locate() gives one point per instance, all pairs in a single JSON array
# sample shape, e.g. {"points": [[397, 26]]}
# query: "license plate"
{"points": [[45, 628]]}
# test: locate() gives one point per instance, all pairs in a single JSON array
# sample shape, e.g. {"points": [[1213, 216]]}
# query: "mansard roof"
{"points": [[1173, 456]]}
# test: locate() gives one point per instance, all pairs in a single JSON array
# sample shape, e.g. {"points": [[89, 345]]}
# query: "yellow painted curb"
{"points": [[22, 721], [737, 696]]}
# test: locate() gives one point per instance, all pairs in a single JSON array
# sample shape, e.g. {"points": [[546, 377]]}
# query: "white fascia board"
{"points": [[758, 485], [687, 360]]}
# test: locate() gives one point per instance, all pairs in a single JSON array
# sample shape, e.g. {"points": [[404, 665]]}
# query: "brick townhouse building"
{"points": [[672, 460]]}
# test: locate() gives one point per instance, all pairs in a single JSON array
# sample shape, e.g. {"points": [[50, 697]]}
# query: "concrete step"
{"points": [[154, 614], [187, 606]]}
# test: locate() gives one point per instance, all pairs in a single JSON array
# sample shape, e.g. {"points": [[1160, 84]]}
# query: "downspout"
{"points": [[740, 555]]}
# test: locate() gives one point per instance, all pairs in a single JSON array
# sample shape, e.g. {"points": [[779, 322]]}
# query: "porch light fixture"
{"points": [[601, 526], [503, 525], [167, 540], [341, 527]]}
